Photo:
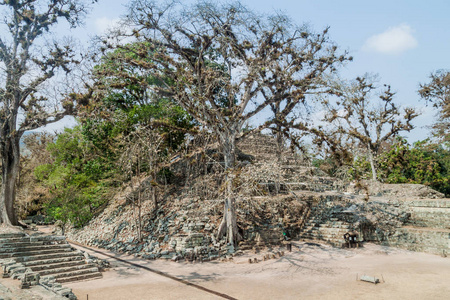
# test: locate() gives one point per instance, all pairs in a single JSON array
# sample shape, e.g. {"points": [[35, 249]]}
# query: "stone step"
{"points": [[67, 269], [430, 217], [327, 231], [327, 221], [19, 244], [324, 232], [43, 265], [12, 235], [33, 248], [57, 260], [318, 189], [337, 225], [428, 229], [50, 239], [428, 223], [74, 273], [320, 228], [95, 275], [436, 203], [323, 236], [334, 242], [25, 239], [14, 267], [48, 256], [35, 253]]}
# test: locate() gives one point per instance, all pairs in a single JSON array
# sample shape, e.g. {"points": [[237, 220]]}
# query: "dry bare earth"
{"points": [[310, 271]]}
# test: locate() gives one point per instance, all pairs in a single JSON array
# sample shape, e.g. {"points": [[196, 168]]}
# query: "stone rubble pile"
{"points": [[187, 228]]}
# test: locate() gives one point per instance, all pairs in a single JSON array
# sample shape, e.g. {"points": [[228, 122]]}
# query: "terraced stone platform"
{"points": [[430, 213], [48, 255], [426, 229]]}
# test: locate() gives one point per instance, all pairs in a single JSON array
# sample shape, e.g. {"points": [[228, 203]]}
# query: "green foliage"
{"points": [[126, 101], [69, 206], [360, 169], [75, 179], [86, 159], [424, 163]]}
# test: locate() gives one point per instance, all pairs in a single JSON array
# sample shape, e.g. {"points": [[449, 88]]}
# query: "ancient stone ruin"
{"points": [[276, 201]]}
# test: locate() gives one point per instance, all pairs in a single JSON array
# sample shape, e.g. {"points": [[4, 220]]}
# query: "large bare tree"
{"points": [[366, 117], [215, 61], [296, 73], [437, 92], [28, 59]]}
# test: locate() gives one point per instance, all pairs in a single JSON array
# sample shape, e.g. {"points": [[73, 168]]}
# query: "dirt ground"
{"points": [[310, 271]]}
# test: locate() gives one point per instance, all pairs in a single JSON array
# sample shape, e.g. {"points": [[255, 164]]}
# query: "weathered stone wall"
{"points": [[422, 240], [433, 213]]}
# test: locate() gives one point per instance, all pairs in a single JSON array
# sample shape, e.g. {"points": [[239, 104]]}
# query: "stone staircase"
{"points": [[48, 255], [322, 224], [332, 231], [313, 184]]}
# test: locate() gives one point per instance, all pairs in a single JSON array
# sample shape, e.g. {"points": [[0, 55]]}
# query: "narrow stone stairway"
{"points": [[332, 231], [48, 255]]}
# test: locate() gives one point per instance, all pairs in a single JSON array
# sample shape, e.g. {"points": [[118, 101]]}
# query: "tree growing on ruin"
{"points": [[293, 77], [214, 61], [367, 118], [437, 92], [144, 146], [28, 60]]}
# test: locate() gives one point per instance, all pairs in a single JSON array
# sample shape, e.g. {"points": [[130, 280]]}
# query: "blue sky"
{"points": [[402, 41]]}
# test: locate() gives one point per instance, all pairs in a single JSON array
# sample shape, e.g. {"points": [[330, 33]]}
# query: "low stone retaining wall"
{"points": [[421, 240]]}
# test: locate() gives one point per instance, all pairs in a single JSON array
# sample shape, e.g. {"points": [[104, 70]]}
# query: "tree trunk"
{"points": [[372, 164], [280, 146], [139, 219], [153, 183], [229, 224], [154, 198], [10, 169], [279, 140]]}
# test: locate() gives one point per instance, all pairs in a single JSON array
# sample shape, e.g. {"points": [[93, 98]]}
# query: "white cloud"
{"points": [[395, 40], [103, 24]]}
